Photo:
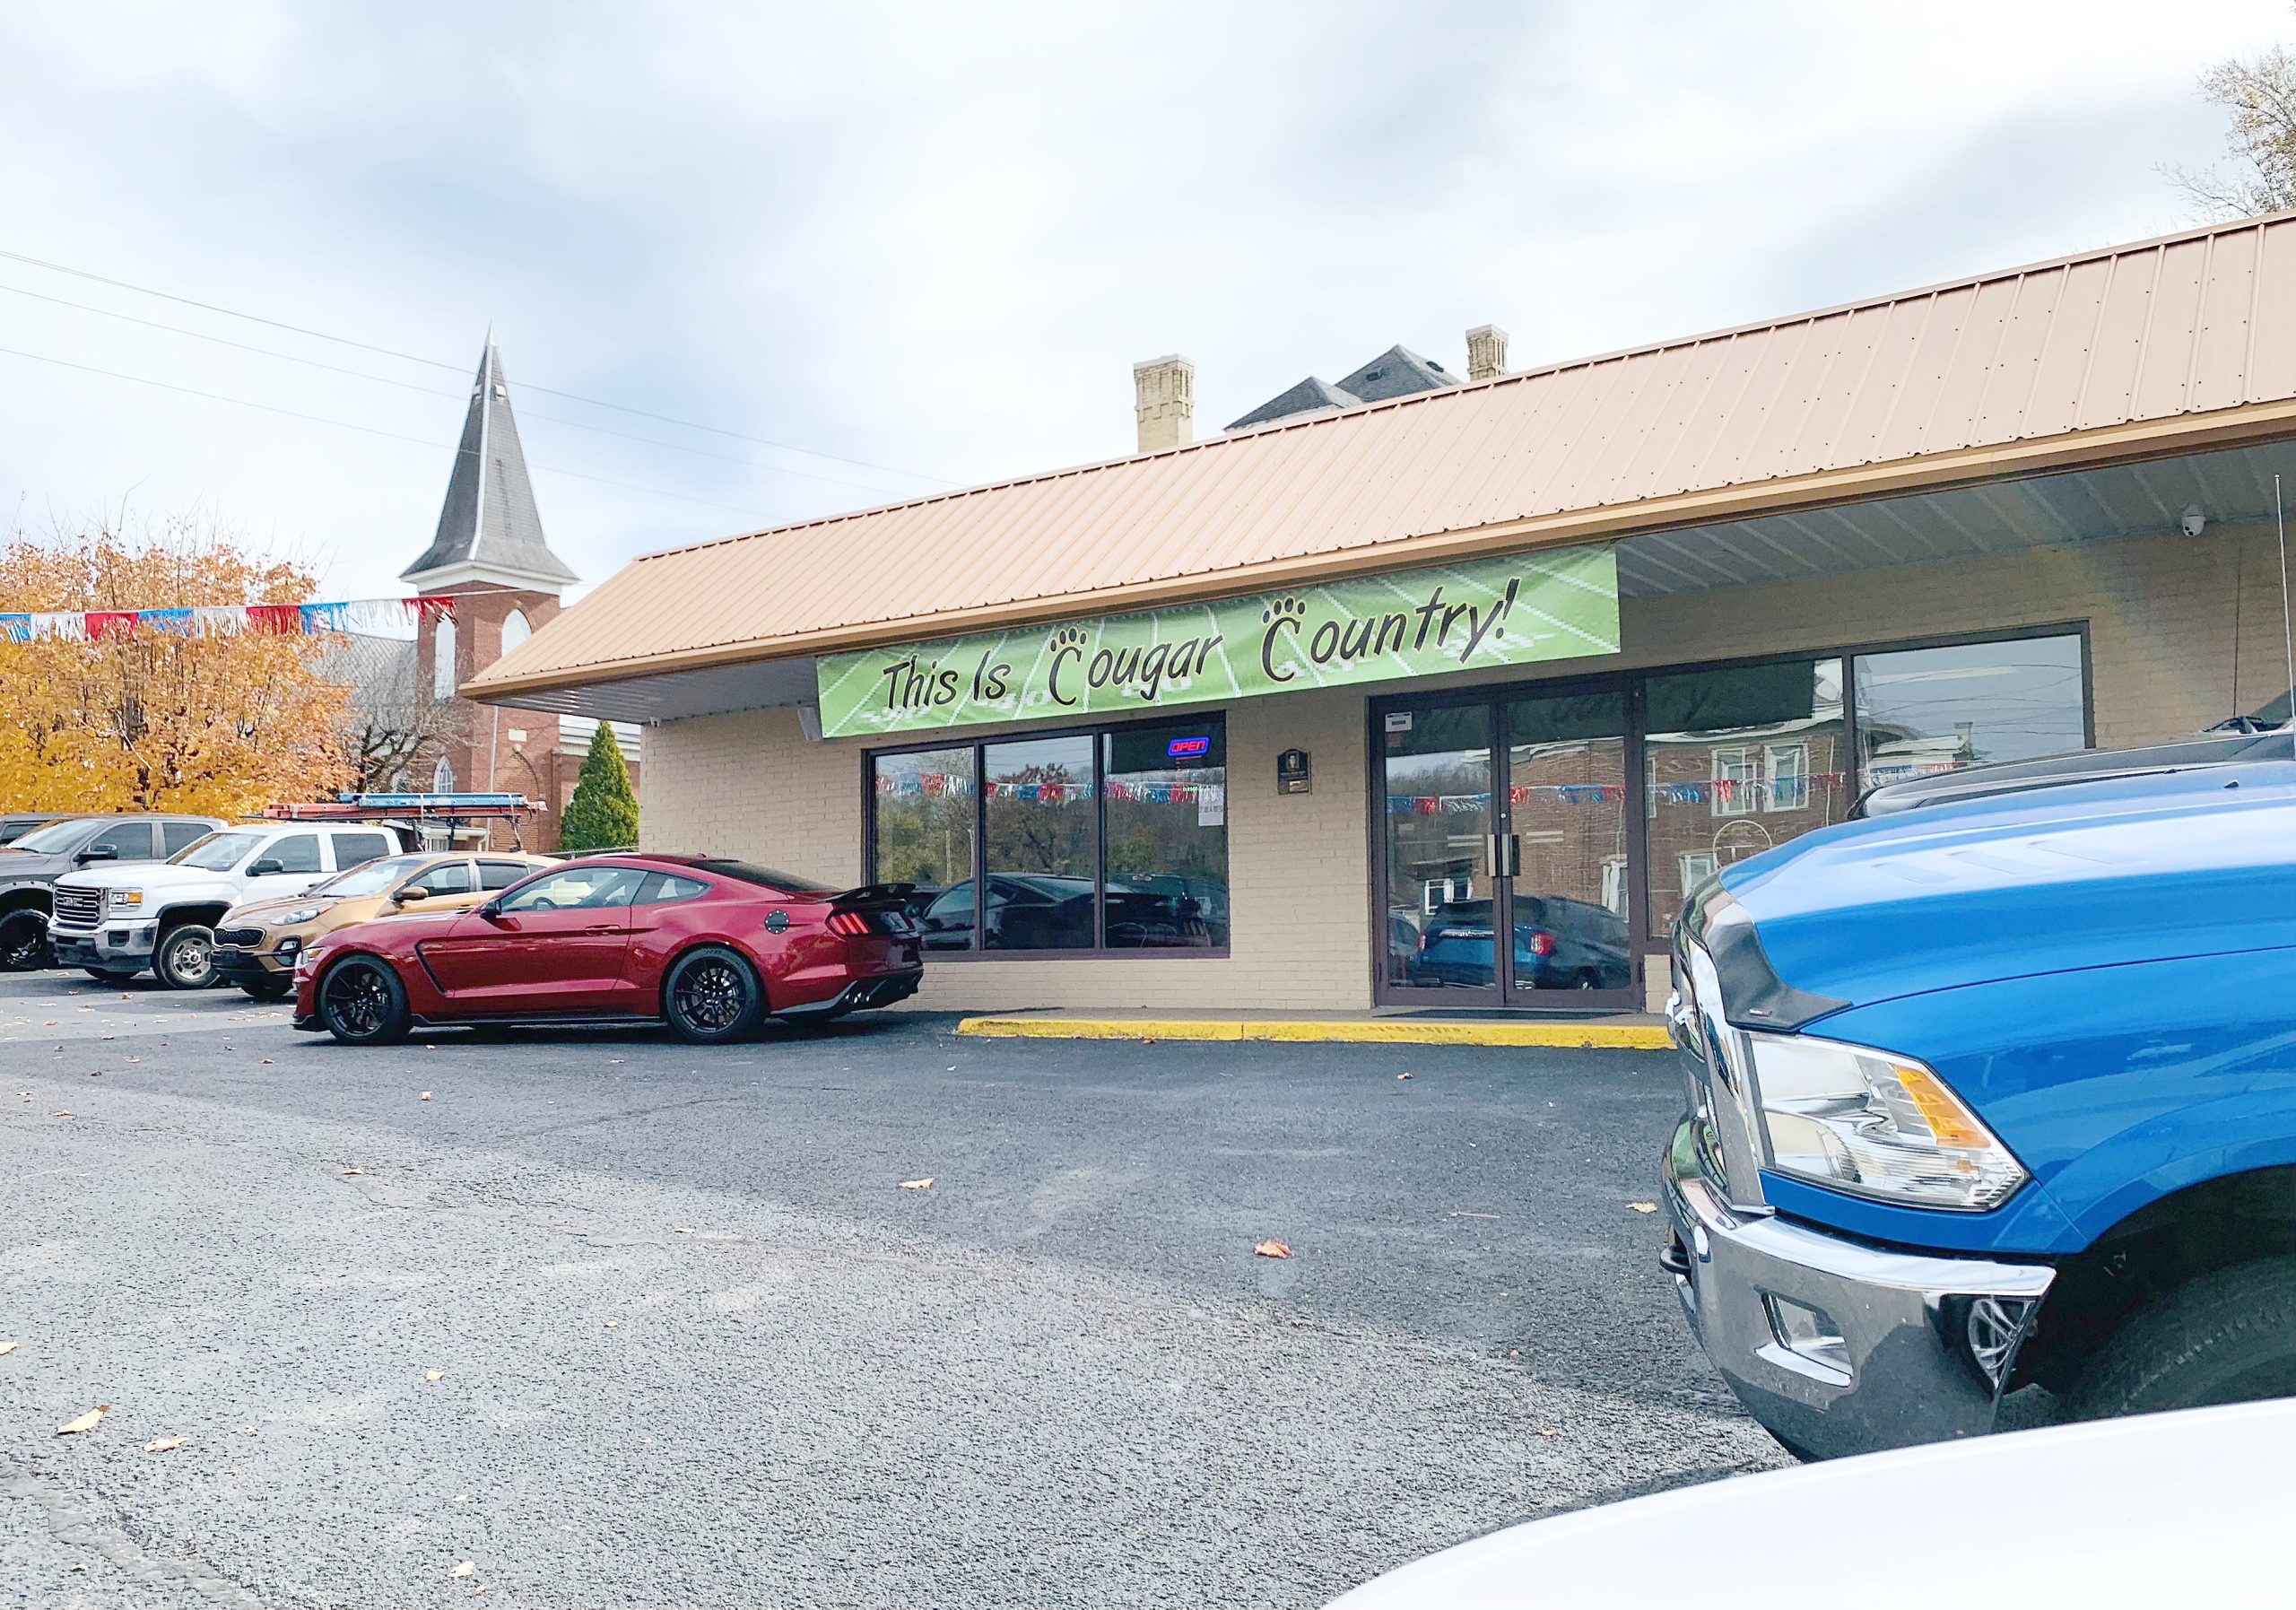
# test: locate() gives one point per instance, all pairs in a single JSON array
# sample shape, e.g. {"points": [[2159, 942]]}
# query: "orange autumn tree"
{"points": [[222, 725]]}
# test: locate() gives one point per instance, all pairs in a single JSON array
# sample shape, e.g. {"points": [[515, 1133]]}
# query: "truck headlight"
{"points": [[1876, 1124], [123, 899]]}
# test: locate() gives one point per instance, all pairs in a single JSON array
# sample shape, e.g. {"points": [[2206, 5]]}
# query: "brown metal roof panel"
{"points": [[1584, 393], [1474, 453], [1895, 355], [1677, 391], [2061, 374], [1589, 478], [1738, 359], [2171, 332], [2272, 346], [1905, 421], [1663, 465], [2108, 394], [2002, 407], [1868, 340], [1781, 446], [1961, 392], [2220, 369], [1769, 357]]}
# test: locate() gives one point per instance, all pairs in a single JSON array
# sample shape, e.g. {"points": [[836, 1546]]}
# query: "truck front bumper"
{"points": [[115, 947], [1839, 1346]]}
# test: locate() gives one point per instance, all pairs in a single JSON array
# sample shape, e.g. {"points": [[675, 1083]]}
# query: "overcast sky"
{"points": [[936, 240]]}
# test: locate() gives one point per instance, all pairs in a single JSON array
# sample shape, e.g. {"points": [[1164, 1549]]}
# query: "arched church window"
{"points": [[515, 629]]}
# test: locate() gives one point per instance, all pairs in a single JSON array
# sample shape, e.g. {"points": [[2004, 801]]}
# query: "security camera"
{"points": [[2193, 522]]}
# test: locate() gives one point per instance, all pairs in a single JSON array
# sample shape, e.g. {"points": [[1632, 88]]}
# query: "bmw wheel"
{"points": [[186, 959], [712, 996], [362, 1002]]}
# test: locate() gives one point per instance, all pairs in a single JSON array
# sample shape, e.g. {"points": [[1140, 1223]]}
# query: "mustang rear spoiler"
{"points": [[867, 895]]}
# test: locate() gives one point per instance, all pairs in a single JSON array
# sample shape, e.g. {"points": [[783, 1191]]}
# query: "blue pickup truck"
{"points": [[1993, 1092]]}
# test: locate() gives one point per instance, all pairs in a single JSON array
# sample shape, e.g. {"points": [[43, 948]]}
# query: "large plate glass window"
{"points": [[1924, 711], [1166, 794], [1042, 852], [923, 803], [1736, 760], [1114, 839]]}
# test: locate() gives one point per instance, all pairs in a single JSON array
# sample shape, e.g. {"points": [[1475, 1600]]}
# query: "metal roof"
{"points": [[2176, 344]]}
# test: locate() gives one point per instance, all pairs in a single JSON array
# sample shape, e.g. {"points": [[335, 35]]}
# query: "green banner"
{"points": [[1511, 610]]}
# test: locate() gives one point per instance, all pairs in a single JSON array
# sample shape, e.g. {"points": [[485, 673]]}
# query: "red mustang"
{"points": [[713, 947]]}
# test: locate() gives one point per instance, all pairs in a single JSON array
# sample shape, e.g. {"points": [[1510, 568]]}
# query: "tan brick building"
{"points": [[1987, 520]]}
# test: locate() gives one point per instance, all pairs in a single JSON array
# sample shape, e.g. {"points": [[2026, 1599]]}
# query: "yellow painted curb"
{"points": [[1386, 1030]]}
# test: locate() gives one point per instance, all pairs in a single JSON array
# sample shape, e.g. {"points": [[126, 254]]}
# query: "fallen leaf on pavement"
{"points": [[1644, 1206], [1272, 1249], [348, 1172], [924, 1184], [61, 1113], [426, 1095], [1403, 1075], [465, 1570], [1546, 1431], [163, 1445], [50, 1023], [7, 1347], [135, 1059], [266, 1062], [614, 1324], [434, 1375], [460, 1498], [85, 1423], [1513, 1352], [683, 1230]]}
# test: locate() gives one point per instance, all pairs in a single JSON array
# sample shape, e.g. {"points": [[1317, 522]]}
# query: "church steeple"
{"points": [[490, 531]]}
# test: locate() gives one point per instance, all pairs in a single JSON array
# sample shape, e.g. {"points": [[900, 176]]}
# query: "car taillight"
{"points": [[851, 924], [1542, 942]]}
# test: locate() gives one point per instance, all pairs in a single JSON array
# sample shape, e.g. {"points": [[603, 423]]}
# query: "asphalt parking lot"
{"points": [[697, 1344]]}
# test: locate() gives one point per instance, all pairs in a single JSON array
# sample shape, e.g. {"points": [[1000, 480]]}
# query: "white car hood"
{"points": [[144, 874], [2157, 1509]]}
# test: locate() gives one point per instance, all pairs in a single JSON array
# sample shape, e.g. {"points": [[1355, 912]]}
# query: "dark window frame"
{"points": [[1100, 950]]}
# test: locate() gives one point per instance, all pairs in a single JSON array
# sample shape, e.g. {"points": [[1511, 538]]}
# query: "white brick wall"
{"points": [[2160, 612]]}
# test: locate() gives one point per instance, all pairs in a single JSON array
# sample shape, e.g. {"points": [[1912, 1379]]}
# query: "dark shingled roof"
{"points": [[490, 519], [1397, 372]]}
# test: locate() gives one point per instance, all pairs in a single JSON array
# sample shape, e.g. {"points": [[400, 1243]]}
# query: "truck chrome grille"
{"points": [[79, 908]]}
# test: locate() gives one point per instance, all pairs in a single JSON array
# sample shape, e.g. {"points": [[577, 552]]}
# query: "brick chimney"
{"points": [[1486, 353], [1164, 402]]}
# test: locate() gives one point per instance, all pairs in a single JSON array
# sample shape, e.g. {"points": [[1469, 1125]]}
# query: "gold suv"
{"points": [[256, 944]]}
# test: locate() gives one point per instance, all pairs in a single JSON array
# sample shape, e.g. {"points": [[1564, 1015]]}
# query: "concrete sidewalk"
{"points": [[1622, 1031]]}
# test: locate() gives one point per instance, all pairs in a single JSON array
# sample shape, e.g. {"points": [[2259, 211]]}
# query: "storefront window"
{"points": [[924, 816], [1166, 789], [1924, 710], [1737, 759], [1033, 879]]}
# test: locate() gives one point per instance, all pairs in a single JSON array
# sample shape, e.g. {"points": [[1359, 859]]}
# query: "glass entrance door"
{"points": [[1565, 867], [1506, 848]]}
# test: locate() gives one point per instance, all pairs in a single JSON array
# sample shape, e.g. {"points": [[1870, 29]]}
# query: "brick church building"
{"points": [[490, 555]]}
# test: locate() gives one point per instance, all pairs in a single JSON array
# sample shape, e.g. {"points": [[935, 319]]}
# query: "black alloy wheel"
{"points": [[712, 996], [362, 1002], [24, 941], [186, 959]]}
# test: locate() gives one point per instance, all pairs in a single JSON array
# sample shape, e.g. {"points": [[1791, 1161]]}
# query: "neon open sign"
{"points": [[1188, 749]]}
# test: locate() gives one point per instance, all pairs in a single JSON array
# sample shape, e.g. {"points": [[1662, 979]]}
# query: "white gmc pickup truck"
{"points": [[116, 921]]}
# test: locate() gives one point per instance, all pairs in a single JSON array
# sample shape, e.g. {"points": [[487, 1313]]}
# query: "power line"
{"points": [[573, 397], [344, 424], [361, 374]]}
